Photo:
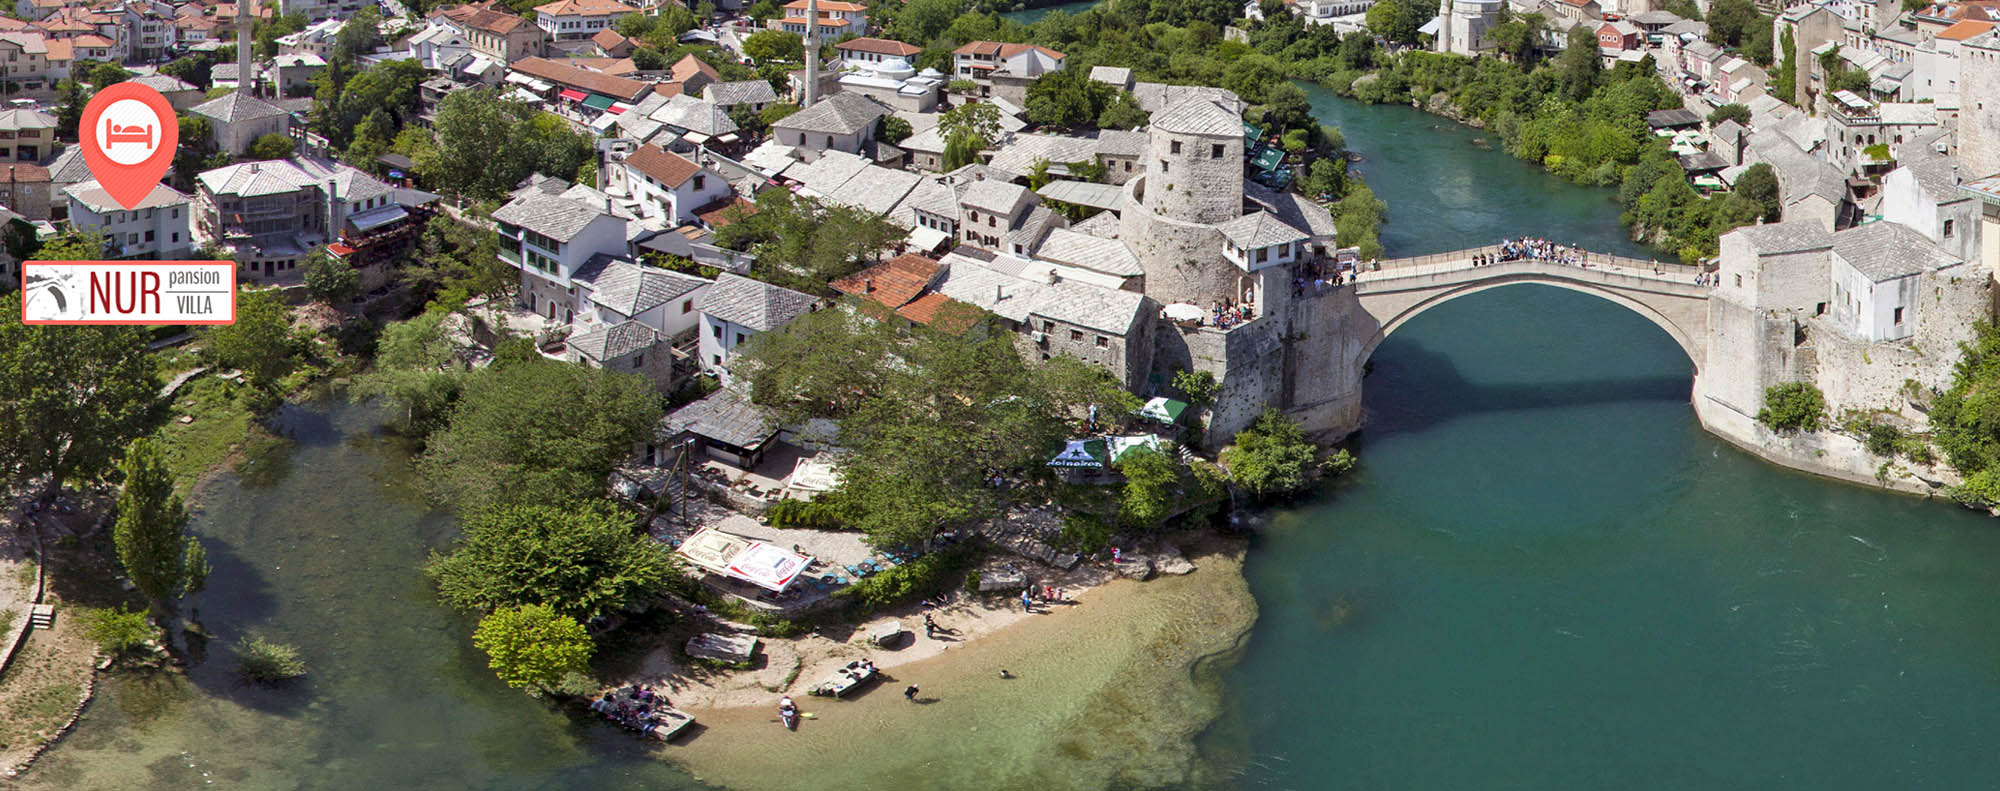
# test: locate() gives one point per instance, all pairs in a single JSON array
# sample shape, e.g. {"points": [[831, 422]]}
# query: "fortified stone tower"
{"points": [[1193, 182], [1464, 24], [1979, 119]]}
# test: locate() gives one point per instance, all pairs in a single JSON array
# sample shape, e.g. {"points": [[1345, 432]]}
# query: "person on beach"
{"points": [[1005, 674], [930, 626], [910, 693], [1027, 602]]}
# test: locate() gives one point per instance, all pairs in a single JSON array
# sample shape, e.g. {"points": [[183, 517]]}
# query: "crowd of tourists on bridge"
{"points": [[1533, 249]]}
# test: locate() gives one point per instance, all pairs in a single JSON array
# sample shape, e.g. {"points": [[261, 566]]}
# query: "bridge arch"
{"points": [[1392, 314]]}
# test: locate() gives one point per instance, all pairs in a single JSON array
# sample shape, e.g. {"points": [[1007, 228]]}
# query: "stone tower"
{"points": [[1194, 167], [1463, 25], [1979, 119]]}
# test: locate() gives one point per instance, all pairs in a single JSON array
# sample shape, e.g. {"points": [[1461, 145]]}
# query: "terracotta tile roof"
{"points": [[585, 8], [893, 282], [607, 39], [615, 87], [1004, 50], [831, 21], [941, 313], [495, 22], [689, 66], [879, 46], [25, 172], [1964, 29], [1010, 50], [663, 166], [719, 214], [827, 6], [616, 67]]}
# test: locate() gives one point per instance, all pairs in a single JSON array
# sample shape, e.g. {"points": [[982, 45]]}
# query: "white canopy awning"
{"points": [[768, 567]]}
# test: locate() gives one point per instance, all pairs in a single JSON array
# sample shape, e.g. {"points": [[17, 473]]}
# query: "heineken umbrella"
{"points": [[1080, 453], [1162, 409]]}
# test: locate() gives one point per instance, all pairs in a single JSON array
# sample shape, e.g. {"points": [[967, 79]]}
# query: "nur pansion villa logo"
{"points": [[128, 292]]}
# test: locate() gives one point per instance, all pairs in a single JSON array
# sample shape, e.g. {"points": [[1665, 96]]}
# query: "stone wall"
{"points": [[1182, 260], [1248, 360], [1979, 118], [1195, 185]]}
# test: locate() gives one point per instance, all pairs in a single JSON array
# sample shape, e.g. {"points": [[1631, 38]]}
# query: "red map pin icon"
{"points": [[129, 134]]}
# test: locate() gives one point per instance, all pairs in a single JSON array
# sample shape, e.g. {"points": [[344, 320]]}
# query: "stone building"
{"points": [[1463, 26], [1979, 111]]}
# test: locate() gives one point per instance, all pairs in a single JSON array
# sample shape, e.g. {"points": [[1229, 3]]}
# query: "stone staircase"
{"points": [[42, 616]]}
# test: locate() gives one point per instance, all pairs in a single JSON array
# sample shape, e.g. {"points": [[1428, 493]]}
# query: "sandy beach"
{"points": [[1102, 692]]}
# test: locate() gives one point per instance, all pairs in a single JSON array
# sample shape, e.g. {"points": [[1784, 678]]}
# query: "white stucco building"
{"points": [[156, 229]]}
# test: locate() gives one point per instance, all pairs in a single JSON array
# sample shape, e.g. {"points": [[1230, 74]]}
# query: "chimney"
{"points": [[812, 54], [253, 167], [999, 292], [244, 84], [868, 285]]}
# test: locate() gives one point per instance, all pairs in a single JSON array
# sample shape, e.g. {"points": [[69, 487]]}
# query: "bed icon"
{"points": [[131, 133]]}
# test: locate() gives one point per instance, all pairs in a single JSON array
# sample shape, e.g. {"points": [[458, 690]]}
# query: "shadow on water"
{"points": [[304, 426], [1411, 362]]}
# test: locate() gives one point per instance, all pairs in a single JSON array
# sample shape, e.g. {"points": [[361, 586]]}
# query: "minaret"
{"points": [[812, 53], [244, 83]]}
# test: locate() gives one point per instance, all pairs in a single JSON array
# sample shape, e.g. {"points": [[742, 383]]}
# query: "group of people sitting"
{"points": [[636, 707], [1229, 314], [1532, 249]]}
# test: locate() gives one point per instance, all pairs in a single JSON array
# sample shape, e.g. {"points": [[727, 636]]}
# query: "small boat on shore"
{"points": [[845, 680]]}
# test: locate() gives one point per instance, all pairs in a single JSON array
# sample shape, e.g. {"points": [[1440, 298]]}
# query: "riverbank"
{"points": [[1107, 692]]}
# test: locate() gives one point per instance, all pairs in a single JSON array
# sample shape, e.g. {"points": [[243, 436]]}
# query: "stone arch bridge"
{"points": [[1665, 294], [1330, 332]]}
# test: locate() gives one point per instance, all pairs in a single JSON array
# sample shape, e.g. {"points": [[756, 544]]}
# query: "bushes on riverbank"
{"points": [[1792, 406]]}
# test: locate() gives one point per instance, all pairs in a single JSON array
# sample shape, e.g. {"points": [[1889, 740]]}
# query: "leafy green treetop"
{"points": [[533, 646]]}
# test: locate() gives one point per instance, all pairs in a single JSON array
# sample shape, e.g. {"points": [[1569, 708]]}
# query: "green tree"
{"points": [[776, 112], [767, 46], [486, 144], [260, 342], [1271, 457], [271, 146], [71, 397], [1152, 484], [533, 646], [1577, 67], [360, 36], [1122, 112], [1398, 20], [71, 98], [1760, 183], [1198, 387], [1792, 406], [1729, 21], [1784, 84], [584, 559], [105, 74], [960, 150], [329, 278], [1068, 98], [892, 130], [417, 370], [162, 560], [191, 69], [649, 59], [803, 244], [1730, 112], [979, 119], [579, 423]]}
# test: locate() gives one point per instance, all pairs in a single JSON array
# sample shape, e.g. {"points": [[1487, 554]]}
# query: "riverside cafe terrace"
{"points": [[768, 567]]}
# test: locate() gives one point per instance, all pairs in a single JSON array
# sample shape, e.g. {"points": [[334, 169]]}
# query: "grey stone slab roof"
{"points": [[1109, 310], [1675, 117], [1121, 143], [1198, 115], [1293, 209], [1068, 247], [615, 341], [1909, 113], [632, 289], [930, 195], [876, 188], [1259, 229], [1937, 176], [69, 167], [1789, 236], [1656, 18], [1029, 233], [26, 119], [694, 115], [91, 194], [1884, 250], [1103, 225], [1018, 157], [236, 107], [1082, 193], [1115, 75], [1728, 130], [832, 169], [993, 195], [839, 114], [752, 303], [164, 83], [740, 92], [1154, 97], [722, 416], [552, 216], [925, 141]]}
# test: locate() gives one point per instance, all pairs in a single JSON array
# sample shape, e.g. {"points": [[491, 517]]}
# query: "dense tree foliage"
{"points": [[417, 370], [533, 646], [1271, 457], [536, 431], [485, 144], [581, 559], [1152, 485], [1965, 419], [804, 244], [329, 278], [931, 418], [260, 343], [71, 397]]}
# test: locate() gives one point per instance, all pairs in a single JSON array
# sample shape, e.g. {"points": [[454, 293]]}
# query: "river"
{"points": [[1545, 575]]}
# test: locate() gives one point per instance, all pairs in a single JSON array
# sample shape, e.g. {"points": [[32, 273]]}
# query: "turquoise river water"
{"points": [[1545, 575]]}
